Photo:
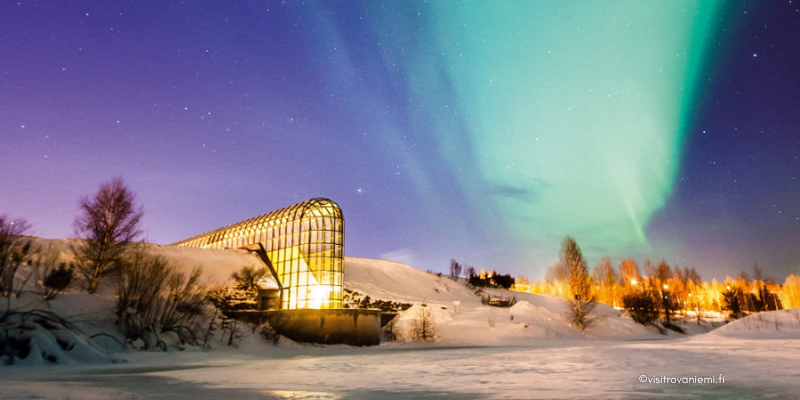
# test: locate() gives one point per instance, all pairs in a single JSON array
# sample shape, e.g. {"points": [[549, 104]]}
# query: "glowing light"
{"points": [[318, 296], [633, 282]]}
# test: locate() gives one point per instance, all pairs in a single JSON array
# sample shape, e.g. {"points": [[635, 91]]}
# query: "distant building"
{"points": [[303, 246]]}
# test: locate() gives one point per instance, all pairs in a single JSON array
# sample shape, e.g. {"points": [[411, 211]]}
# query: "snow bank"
{"points": [[74, 328], [38, 337], [766, 325], [410, 325], [393, 281], [216, 265]]}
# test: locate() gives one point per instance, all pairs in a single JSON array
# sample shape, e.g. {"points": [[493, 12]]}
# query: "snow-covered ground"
{"points": [[743, 368], [526, 351]]}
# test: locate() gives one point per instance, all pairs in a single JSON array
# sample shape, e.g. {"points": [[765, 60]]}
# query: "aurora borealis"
{"points": [[556, 119], [481, 131]]}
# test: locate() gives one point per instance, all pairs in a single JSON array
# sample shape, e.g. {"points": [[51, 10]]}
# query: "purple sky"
{"points": [[214, 112]]}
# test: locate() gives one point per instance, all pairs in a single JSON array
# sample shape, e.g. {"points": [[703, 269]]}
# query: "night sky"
{"points": [[481, 131]]}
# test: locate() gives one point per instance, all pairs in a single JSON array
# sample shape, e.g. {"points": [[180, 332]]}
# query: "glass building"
{"points": [[303, 246]]}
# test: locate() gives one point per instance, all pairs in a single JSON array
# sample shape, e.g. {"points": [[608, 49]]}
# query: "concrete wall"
{"points": [[357, 327]]}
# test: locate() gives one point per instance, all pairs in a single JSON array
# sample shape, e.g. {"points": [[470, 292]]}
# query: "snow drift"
{"points": [[765, 325]]}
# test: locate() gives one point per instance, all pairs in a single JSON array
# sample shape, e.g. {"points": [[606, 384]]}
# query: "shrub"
{"points": [[494, 280], [154, 297], [503, 281], [15, 251], [641, 306], [225, 300], [247, 279], [56, 281]]}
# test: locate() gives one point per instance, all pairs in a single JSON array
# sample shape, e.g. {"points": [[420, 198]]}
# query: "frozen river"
{"points": [[740, 368]]}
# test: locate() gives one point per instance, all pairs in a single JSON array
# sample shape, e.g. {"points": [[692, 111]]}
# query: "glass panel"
{"points": [[305, 245]]}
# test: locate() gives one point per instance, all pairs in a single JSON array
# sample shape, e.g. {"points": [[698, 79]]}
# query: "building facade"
{"points": [[303, 246]]}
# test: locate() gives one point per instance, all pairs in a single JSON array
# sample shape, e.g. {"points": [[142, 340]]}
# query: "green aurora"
{"points": [[570, 134], [518, 123]]}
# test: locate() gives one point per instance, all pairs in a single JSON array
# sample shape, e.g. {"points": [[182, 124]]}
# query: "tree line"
{"points": [[661, 291]]}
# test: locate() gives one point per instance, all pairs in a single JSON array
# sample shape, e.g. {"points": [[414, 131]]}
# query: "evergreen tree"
{"points": [[731, 302], [580, 283]]}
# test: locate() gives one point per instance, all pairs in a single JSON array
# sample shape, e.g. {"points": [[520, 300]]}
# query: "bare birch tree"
{"points": [[108, 224], [15, 249]]}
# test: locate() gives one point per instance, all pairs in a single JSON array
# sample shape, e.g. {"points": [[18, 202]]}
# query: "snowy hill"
{"points": [[460, 318], [765, 325], [457, 312], [393, 281], [217, 265]]}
